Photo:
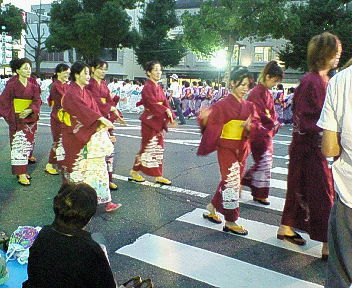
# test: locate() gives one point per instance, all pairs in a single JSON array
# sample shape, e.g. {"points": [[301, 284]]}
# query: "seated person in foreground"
{"points": [[64, 255]]}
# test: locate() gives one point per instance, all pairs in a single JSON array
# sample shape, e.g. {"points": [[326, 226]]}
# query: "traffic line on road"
{"points": [[280, 170], [165, 187], [276, 203], [257, 231], [206, 266]]}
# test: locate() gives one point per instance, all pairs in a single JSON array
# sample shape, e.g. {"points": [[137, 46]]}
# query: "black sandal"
{"points": [[295, 239]]}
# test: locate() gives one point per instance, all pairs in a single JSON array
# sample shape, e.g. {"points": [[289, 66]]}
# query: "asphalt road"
{"points": [[159, 232]]}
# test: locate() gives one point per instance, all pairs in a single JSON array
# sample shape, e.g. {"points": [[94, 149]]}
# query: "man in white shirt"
{"points": [[336, 120], [175, 91]]}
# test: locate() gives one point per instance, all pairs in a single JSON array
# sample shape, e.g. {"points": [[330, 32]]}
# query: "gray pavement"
{"points": [[149, 211]]}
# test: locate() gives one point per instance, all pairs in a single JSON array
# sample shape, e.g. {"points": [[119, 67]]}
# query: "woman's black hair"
{"points": [[148, 67], [273, 70], [280, 86], [60, 68], [97, 63], [187, 84], [75, 205], [239, 74], [77, 68], [16, 64]]}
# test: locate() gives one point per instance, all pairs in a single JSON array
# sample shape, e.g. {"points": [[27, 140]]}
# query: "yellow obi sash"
{"points": [[52, 103], [64, 117], [232, 130], [160, 103], [103, 100], [21, 104]]}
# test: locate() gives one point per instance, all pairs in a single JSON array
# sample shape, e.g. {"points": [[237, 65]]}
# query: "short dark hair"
{"points": [[148, 67], [239, 74], [77, 68], [60, 68], [75, 205], [280, 86], [97, 63], [17, 63], [187, 84]]}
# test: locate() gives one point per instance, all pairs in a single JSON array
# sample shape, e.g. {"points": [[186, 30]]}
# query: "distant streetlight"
{"points": [[219, 62]]}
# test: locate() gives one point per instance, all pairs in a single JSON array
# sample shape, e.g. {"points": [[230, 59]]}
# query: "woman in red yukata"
{"points": [[20, 106], [57, 90], [101, 93], [259, 175], [310, 192], [85, 138], [226, 127], [155, 119]]}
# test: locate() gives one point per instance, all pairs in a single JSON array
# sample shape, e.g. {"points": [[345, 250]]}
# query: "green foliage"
{"points": [[220, 24], [154, 43], [90, 25], [11, 18], [316, 16]]}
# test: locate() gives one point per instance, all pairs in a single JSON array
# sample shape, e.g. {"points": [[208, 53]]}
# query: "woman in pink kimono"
{"points": [[20, 106], [259, 175], [155, 118], [226, 127], [85, 138]]}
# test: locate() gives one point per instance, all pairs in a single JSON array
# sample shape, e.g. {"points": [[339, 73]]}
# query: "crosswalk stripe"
{"points": [[279, 170], [276, 203], [257, 231], [206, 266]]}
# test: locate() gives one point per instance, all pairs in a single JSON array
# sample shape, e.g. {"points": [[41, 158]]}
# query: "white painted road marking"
{"points": [[206, 266], [257, 231]]}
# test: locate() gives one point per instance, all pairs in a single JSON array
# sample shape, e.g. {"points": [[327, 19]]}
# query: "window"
{"points": [[54, 56], [121, 57], [263, 54], [109, 54]]}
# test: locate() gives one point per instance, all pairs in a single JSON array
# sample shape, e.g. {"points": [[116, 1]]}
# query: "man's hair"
{"points": [[74, 205]]}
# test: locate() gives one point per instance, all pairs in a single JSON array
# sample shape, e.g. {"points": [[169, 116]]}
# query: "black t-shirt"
{"points": [[67, 260]]}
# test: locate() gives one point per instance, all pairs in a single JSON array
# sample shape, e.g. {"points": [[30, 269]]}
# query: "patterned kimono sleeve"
{"points": [[6, 102], [37, 101], [212, 132], [150, 99]]}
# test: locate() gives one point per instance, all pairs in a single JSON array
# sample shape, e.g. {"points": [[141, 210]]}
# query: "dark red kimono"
{"points": [[219, 135], [83, 114], [310, 192], [15, 98], [259, 175], [57, 90], [149, 159], [101, 95]]}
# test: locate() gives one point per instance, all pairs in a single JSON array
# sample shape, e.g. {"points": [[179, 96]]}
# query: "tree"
{"points": [[312, 18], [154, 43], [36, 39], [11, 19], [91, 25], [223, 23]]}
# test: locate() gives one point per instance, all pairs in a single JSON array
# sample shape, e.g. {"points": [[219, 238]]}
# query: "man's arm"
{"points": [[331, 143]]}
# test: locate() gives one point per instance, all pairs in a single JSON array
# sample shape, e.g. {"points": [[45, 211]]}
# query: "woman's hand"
{"points": [[247, 124], [169, 115], [25, 113], [106, 123]]}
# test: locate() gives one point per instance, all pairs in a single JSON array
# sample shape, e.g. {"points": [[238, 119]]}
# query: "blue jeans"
{"points": [[177, 104]]}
